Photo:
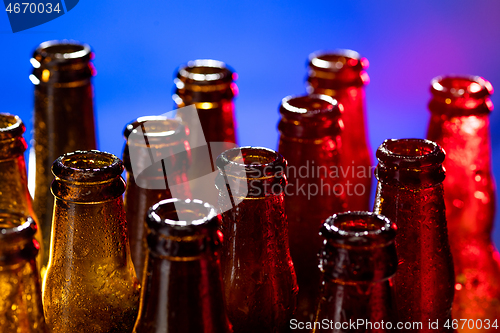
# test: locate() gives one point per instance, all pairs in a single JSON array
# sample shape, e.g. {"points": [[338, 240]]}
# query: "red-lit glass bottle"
{"points": [[182, 287], [460, 109], [410, 193], [20, 292], [310, 141], [156, 157], [209, 86], [358, 261], [259, 278], [342, 75], [63, 118]]}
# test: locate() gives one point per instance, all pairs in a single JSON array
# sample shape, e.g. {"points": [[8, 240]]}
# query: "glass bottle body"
{"points": [[410, 194], [358, 261], [156, 157], [63, 118], [342, 75], [182, 289], [460, 109], [90, 284], [258, 275], [310, 140], [20, 291]]}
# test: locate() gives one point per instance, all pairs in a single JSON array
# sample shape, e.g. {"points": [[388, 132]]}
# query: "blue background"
{"points": [[139, 44]]}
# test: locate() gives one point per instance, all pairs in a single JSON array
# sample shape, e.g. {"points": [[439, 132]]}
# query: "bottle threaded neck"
{"points": [[181, 230], [410, 162], [310, 117], [11, 136], [460, 96]]}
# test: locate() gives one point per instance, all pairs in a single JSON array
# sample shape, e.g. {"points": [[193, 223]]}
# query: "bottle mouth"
{"points": [[11, 126], [310, 106], [337, 60], [53, 52], [206, 71], [461, 87], [180, 214], [15, 226], [154, 130], [87, 166]]}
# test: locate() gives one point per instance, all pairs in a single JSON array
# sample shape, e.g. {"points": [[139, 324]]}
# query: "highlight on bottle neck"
{"points": [[460, 96], [156, 143], [364, 241], [310, 116], [62, 63], [251, 172], [12, 143], [204, 82], [88, 176], [336, 70], [182, 230], [16, 238], [410, 162]]}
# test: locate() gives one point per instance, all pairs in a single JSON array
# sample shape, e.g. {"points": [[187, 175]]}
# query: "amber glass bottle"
{"points": [[14, 196], [257, 270], [156, 157], [63, 119], [90, 284], [342, 75], [410, 193], [209, 86], [20, 292], [460, 108], [182, 284], [357, 261], [310, 140]]}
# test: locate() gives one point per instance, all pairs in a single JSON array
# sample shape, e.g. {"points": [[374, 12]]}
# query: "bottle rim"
{"points": [[155, 128], [310, 106], [461, 86], [180, 213], [14, 226], [337, 60], [11, 126], [206, 71], [60, 51], [404, 153]]}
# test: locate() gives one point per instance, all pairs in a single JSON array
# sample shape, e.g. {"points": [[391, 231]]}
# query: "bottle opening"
{"points": [[154, 128], [206, 70], [258, 162], [357, 224], [461, 87], [63, 50], [337, 60], [178, 213], [13, 226], [10, 126], [309, 105], [403, 152]]}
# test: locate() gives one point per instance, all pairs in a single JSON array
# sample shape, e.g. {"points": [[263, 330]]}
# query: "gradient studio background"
{"points": [[138, 46]]}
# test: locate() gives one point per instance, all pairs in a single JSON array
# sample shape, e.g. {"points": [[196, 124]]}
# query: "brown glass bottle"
{"points": [[342, 75], [90, 284], [156, 157], [358, 261], [14, 196], [182, 286], [310, 140], [460, 108], [257, 270], [410, 193], [63, 119], [209, 86], [20, 292]]}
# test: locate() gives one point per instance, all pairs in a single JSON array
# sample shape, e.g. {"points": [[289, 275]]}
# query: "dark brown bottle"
{"points": [[410, 194], [21, 296], [90, 284], [208, 87], [358, 261], [156, 157], [460, 109], [342, 75], [310, 140], [14, 196], [257, 270], [182, 286], [63, 119]]}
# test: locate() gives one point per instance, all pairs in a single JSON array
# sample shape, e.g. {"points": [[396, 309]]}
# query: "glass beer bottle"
{"points": [[258, 275], [358, 261], [90, 284], [342, 75], [460, 109], [309, 130], [182, 286], [14, 196], [410, 193], [20, 292], [63, 119], [209, 86], [156, 157]]}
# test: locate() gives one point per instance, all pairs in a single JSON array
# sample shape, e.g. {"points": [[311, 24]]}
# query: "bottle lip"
{"points": [[158, 129], [11, 126], [407, 153], [310, 106], [87, 166], [15, 226], [206, 71], [56, 52], [461, 86], [338, 60]]}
